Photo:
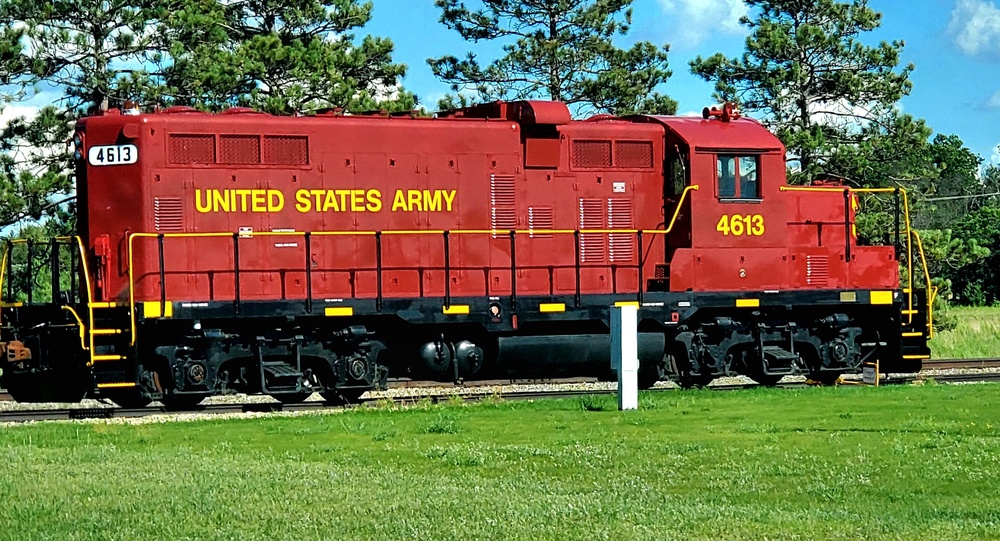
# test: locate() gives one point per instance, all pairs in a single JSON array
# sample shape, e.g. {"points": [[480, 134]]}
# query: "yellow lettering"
{"points": [[221, 201], [739, 225], [432, 200], [242, 194], [374, 200], [275, 200], [357, 200], [207, 207], [449, 198], [258, 201], [330, 202], [317, 195], [342, 196], [413, 200], [399, 201], [334, 200], [302, 201]]}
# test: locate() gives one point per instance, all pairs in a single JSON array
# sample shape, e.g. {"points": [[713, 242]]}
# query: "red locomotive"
{"points": [[285, 255]]}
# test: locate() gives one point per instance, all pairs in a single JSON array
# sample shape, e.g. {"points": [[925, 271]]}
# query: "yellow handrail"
{"points": [[220, 234], [3, 276], [79, 322], [84, 327], [911, 234]]}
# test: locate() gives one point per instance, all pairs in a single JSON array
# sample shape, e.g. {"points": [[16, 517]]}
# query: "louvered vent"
{"points": [[168, 214], [634, 154], [239, 149], [286, 149], [592, 153], [817, 270], [503, 209], [620, 245], [540, 218], [191, 148], [591, 244]]}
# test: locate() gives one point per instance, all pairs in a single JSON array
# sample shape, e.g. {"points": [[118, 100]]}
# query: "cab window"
{"points": [[738, 177], [676, 174]]}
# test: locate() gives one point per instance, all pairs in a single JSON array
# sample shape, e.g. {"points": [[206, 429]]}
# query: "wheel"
{"points": [[827, 379], [291, 398], [179, 402], [44, 388], [343, 396], [766, 380], [127, 398], [650, 373], [694, 381]]}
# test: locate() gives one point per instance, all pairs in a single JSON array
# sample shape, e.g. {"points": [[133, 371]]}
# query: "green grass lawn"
{"points": [[976, 336], [846, 463]]}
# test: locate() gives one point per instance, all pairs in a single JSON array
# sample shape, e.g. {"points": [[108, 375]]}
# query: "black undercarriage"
{"points": [[343, 348]]}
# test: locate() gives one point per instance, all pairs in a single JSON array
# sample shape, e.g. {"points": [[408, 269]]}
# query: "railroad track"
{"points": [[949, 364], [15, 416]]}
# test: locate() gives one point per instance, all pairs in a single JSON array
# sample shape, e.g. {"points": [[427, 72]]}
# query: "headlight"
{"points": [[78, 146]]}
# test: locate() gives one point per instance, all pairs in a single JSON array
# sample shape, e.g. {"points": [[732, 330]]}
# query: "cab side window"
{"points": [[738, 177], [749, 187], [676, 174]]}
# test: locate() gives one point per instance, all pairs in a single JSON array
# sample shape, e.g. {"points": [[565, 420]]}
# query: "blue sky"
{"points": [[954, 45]]}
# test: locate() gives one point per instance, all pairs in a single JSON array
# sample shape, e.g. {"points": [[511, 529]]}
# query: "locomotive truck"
{"points": [[244, 252]]}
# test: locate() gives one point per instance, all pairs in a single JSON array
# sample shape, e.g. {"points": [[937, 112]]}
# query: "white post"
{"points": [[625, 355]]}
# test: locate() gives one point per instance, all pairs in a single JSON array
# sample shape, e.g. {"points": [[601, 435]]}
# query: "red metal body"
{"points": [[434, 200]]}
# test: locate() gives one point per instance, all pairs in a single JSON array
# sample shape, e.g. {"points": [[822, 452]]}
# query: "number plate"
{"points": [[113, 155]]}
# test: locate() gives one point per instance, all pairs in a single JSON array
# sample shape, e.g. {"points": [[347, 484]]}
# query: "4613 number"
{"points": [[738, 225]]}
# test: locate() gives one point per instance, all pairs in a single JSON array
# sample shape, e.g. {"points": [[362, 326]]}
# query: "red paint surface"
{"points": [[804, 231]]}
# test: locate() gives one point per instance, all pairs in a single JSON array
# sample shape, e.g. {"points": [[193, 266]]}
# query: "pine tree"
{"points": [[88, 51], [806, 69], [279, 56], [555, 49]]}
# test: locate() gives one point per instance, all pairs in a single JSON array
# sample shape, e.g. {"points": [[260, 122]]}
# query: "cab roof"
{"points": [[703, 135]]}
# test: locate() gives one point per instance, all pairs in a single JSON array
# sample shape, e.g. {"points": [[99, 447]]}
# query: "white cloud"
{"points": [[693, 21], [12, 111], [994, 102], [975, 26], [995, 158], [841, 114]]}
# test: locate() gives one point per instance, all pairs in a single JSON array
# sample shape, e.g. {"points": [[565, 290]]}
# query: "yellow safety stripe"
{"points": [[116, 385], [881, 297]]}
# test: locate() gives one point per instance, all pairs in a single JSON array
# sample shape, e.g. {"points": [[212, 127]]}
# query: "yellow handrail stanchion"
{"points": [[911, 235]]}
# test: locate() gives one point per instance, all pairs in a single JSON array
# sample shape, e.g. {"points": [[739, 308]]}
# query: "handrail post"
{"points": [[896, 243], [10, 271], [72, 271], [513, 269], [163, 272], [447, 269], [236, 272], [54, 263], [378, 271], [847, 225], [638, 235], [28, 273], [576, 266], [309, 278]]}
